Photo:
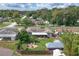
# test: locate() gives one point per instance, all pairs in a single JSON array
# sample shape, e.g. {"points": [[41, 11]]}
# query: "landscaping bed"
{"points": [[35, 52]]}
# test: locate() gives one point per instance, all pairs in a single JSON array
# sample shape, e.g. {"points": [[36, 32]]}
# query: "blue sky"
{"points": [[34, 6]]}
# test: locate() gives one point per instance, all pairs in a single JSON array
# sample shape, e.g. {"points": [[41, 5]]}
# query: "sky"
{"points": [[33, 6]]}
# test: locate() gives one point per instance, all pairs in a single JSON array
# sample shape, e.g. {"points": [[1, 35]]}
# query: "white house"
{"points": [[8, 33]]}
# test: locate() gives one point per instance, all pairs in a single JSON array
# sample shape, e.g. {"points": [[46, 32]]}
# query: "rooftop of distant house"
{"points": [[38, 29]]}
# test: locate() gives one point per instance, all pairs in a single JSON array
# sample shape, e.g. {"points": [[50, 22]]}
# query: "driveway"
{"points": [[5, 52]]}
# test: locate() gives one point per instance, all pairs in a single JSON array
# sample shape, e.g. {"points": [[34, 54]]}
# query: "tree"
{"points": [[65, 16], [71, 43], [57, 16], [23, 38], [26, 22], [16, 14]]}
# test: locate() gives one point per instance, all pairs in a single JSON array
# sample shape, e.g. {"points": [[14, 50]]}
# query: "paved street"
{"points": [[5, 52]]}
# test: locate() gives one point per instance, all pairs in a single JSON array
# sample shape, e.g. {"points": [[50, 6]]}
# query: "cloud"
{"points": [[34, 6], [46, 5]]}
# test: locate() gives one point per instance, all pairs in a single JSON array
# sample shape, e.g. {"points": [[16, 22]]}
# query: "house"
{"points": [[37, 21], [39, 32], [66, 29], [1, 19], [8, 33]]}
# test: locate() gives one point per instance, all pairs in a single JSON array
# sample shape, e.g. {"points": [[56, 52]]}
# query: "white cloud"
{"points": [[43, 5], [34, 6], [2, 4], [22, 5]]}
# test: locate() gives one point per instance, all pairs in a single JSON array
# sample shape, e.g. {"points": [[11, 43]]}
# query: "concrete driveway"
{"points": [[5, 52]]}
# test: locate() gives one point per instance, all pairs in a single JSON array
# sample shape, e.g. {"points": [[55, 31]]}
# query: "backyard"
{"points": [[70, 41], [12, 45]]}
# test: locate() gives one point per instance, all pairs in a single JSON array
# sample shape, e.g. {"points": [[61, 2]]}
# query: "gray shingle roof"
{"points": [[38, 29], [8, 31]]}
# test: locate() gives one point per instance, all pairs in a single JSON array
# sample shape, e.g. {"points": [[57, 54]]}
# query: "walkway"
{"points": [[5, 52]]}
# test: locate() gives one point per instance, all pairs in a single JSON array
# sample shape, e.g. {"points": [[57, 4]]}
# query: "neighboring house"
{"points": [[39, 32], [1, 19], [8, 33], [67, 29], [37, 21]]}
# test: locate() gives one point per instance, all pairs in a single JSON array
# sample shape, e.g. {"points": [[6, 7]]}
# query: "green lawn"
{"points": [[12, 44], [41, 44], [8, 44]]}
